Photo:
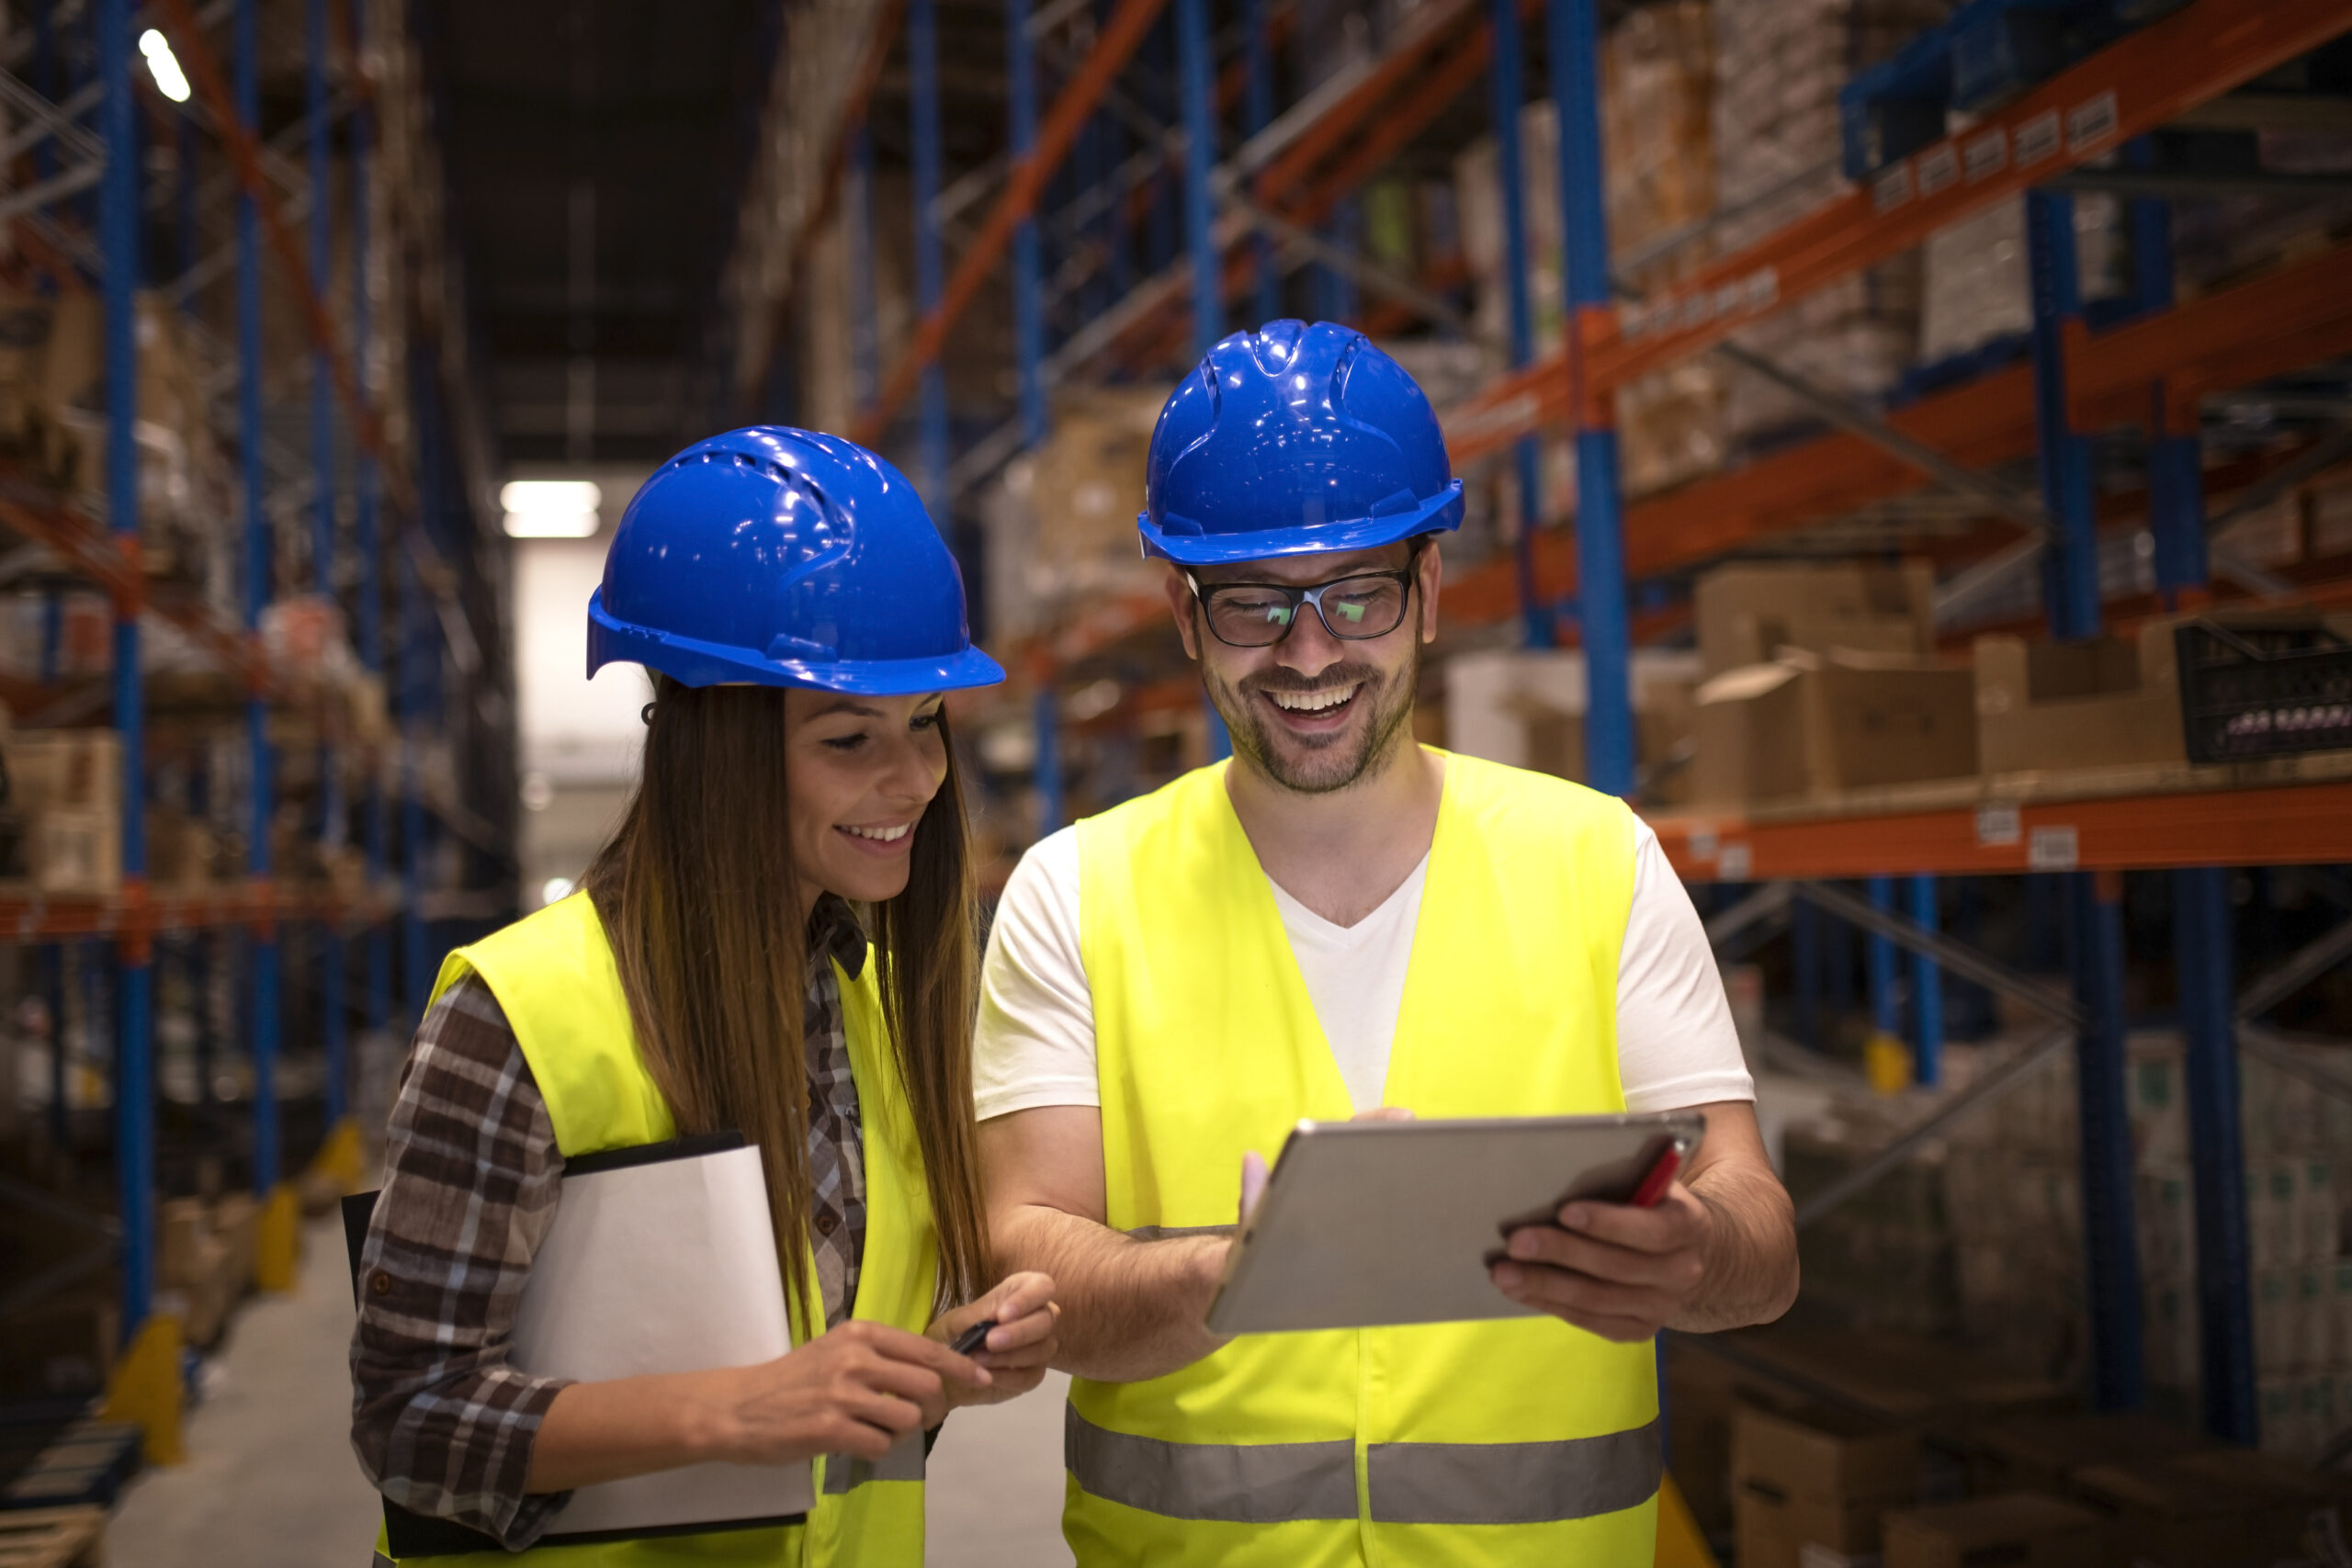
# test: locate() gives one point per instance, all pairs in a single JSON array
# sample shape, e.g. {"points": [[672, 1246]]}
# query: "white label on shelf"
{"points": [[2053, 848], [1893, 188], [2038, 138], [1986, 154], [1727, 299], [2091, 122], [1997, 825], [1632, 317], [1938, 167], [1703, 843], [1734, 864], [1697, 308], [1763, 288]]}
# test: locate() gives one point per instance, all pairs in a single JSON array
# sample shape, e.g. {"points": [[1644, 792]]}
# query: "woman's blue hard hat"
{"points": [[784, 558], [1293, 440]]}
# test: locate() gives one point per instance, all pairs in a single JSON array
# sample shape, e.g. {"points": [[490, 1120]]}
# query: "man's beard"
{"points": [[1327, 764]]}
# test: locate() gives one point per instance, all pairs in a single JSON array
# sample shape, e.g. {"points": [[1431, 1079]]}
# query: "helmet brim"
{"points": [[1440, 514], [698, 664]]}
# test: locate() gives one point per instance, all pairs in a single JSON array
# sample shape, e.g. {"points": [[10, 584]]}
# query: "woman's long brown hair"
{"points": [[695, 890]]}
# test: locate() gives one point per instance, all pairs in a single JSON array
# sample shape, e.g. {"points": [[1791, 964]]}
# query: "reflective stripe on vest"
{"points": [[554, 977], [1411, 1483], [1305, 1447]]}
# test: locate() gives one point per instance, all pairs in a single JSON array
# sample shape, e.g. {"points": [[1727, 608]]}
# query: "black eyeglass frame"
{"points": [[1311, 595]]}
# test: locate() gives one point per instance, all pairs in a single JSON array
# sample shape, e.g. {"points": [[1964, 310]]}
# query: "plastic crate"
{"points": [[2268, 690]]}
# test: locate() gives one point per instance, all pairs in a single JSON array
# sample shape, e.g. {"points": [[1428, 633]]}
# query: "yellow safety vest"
{"points": [[1521, 1441], [554, 975]]}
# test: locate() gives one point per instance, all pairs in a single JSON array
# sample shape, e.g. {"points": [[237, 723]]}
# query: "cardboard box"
{"points": [[1814, 1480], [2027, 1529], [1820, 1452], [74, 850], [1747, 614], [2083, 704], [63, 767], [2041, 1452], [1809, 724], [2220, 1508], [236, 1220]]}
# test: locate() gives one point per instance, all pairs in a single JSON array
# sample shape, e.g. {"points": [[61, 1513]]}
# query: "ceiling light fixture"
{"points": [[551, 508], [164, 66]]}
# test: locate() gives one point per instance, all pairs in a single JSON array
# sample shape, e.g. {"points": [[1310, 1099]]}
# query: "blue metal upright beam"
{"points": [[2110, 1244], [246, 49], [1196, 73], [1257, 113], [2071, 572], [1574, 40], [922, 93], [2203, 965], [1886, 1001], [2175, 457], [135, 1041], [368, 545], [1507, 87], [334, 1022], [865, 336], [1028, 262], [1927, 990]]}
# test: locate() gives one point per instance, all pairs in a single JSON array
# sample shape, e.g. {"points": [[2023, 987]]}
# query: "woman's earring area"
{"points": [[645, 715]]}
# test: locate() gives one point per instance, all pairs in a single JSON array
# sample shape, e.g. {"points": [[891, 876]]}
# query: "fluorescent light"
{"points": [[162, 65], [556, 890], [551, 508]]}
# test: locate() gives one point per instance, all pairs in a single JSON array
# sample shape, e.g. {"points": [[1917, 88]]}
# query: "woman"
{"points": [[801, 621]]}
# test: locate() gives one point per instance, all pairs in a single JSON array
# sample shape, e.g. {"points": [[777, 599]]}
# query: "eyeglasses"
{"points": [[1260, 615]]}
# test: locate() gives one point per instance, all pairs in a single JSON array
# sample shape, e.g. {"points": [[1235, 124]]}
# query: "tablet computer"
{"points": [[1366, 1225]]}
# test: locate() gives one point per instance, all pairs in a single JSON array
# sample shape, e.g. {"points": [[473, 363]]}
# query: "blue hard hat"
{"points": [[784, 558], [1291, 440]]}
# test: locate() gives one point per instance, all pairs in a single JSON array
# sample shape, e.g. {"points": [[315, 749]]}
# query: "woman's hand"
{"points": [[855, 1389], [1018, 1348]]}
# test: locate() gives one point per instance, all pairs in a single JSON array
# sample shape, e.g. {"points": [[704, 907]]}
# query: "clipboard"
{"points": [[1369, 1224], [660, 1258]]}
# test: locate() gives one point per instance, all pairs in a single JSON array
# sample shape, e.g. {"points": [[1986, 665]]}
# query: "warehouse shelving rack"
{"points": [[410, 509], [1290, 172]]}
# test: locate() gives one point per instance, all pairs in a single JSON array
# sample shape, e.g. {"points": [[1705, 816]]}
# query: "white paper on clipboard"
{"points": [[665, 1267]]}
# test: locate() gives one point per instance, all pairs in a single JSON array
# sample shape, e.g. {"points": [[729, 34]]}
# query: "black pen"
{"points": [[974, 1338]]}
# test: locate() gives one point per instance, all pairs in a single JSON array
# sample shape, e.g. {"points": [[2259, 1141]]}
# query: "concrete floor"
{"points": [[269, 1480]]}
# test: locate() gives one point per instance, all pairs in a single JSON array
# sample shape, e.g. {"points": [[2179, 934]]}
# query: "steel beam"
{"points": [[2111, 1242], [2202, 964], [245, 51], [1575, 42], [134, 1085], [1028, 308], [1927, 990], [922, 109], [1506, 90]]}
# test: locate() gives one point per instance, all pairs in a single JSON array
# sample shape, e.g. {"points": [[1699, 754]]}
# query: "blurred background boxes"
{"points": [[2098, 702], [1746, 614], [1814, 1480], [2024, 1528], [1813, 724]]}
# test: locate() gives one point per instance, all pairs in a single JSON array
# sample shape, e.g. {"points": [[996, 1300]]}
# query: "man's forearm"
{"points": [[1131, 1309], [1751, 1253]]}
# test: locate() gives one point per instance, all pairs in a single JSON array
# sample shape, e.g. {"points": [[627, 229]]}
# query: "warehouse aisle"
{"points": [[270, 1482]]}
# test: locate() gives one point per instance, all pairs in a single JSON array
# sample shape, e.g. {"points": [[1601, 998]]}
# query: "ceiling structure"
{"points": [[596, 152]]}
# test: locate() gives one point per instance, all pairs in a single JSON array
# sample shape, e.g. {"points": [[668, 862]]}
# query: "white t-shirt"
{"points": [[1035, 1046]]}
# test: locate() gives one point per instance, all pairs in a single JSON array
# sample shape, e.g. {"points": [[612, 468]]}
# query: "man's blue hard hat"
{"points": [[784, 558], [1292, 440]]}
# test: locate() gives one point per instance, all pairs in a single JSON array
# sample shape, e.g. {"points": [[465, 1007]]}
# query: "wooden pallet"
{"points": [[53, 1538], [86, 1463]]}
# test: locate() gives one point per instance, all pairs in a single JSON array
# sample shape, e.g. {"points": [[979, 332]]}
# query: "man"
{"points": [[1342, 920]]}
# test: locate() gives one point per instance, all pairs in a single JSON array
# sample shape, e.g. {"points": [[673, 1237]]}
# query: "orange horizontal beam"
{"points": [[2291, 825], [2301, 311], [1113, 46], [2133, 85], [1371, 97]]}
